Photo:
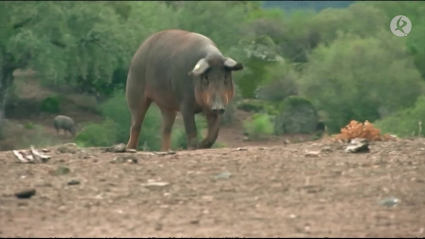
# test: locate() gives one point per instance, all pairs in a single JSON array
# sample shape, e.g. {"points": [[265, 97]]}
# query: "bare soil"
{"points": [[273, 191]]}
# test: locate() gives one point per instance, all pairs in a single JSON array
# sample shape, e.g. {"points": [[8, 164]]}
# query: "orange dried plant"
{"points": [[357, 129]]}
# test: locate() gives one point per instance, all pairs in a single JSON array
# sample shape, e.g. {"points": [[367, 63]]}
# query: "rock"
{"points": [[125, 159], [223, 175], [245, 138], [153, 184], [312, 154], [327, 149], [389, 202], [165, 153], [358, 145], [27, 193], [61, 171], [73, 182], [69, 148], [118, 148], [131, 151], [240, 149]]}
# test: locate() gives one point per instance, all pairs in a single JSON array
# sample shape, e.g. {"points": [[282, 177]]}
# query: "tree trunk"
{"points": [[6, 76]]}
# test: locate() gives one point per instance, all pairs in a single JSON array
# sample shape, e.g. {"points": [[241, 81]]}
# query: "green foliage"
{"points": [[95, 134], [250, 105], [346, 79], [280, 81], [115, 129], [29, 126], [229, 115], [50, 104], [407, 122], [259, 126], [37, 138], [296, 115], [178, 136]]}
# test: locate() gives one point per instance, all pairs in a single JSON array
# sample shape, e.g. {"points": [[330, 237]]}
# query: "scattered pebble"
{"points": [[127, 159], [153, 185], [27, 193], [312, 154], [73, 182], [357, 145], [223, 175], [389, 202], [61, 171], [69, 148]]}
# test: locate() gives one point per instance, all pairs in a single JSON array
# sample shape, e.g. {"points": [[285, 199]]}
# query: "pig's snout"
{"points": [[218, 106], [218, 111]]}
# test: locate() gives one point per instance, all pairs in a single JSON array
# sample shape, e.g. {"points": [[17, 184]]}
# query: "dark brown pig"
{"points": [[179, 71]]}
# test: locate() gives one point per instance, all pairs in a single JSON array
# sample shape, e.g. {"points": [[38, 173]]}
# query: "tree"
{"points": [[73, 39], [357, 79]]}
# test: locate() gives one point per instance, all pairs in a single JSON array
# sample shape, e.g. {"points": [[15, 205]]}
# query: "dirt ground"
{"points": [[273, 191]]}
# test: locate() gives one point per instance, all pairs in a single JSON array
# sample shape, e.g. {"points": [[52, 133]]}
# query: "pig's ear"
{"points": [[200, 67], [232, 64]]}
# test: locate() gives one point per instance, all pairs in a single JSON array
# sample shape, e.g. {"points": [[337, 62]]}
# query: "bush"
{"points": [[50, 104], [116, 128], [29, 126], [297, 115], [347, 79], [280, 83], [250, 105], [178, 136], [104, 134], [259, 126], [229, 115], [406, 122]]}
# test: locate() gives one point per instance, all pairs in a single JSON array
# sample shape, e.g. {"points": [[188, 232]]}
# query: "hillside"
{"points": [[247, 192]]}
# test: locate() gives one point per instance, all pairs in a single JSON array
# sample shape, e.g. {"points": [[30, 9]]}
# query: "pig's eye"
{"points": [[205, 80]]}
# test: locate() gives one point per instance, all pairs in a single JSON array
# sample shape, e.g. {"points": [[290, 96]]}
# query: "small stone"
{"points": [[245, 138], [327, 149], [61, 171], [153, 185], [358, 145], [118, 148], [45, 150], [131, 150], [158, 226], [312, 154], [69, 148], [389, 202], [165, 153], [25, 193], [223, 175], [73, 182], [194, 222], [240, 149], [128, 159]]}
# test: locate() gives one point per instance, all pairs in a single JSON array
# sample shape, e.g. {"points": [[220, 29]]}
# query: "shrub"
{"points": [[259, 126], [50, 104], [347, 78], [406, 122], [29, 126], [178, 136], [116, 128], [250, 105], [231, 108], [297, 115], [280, 83]]}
